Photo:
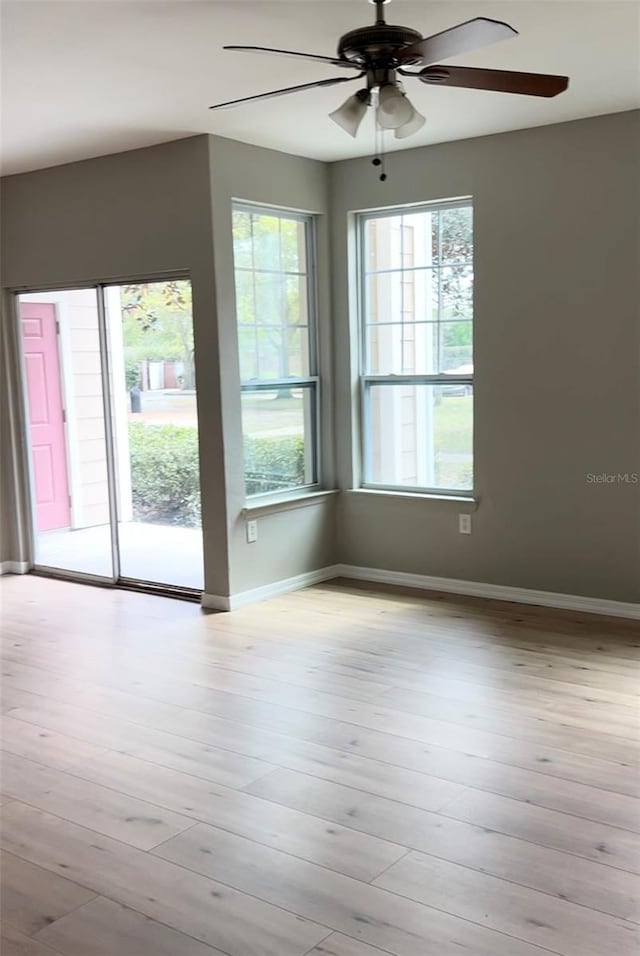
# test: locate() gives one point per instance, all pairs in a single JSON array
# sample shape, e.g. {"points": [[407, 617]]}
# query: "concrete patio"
{"points": [[161, 554]]}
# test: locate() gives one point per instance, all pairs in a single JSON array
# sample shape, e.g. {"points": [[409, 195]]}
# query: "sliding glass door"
{"points": [[155, 420], [113, 432]]}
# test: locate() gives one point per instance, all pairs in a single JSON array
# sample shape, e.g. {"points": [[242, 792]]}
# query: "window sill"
{"points": [[255, 509], [415, 496]]}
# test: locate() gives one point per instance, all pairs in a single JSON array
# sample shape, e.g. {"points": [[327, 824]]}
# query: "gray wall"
{"points": [[557, 345], [152, 212], [136, 214], [300, 540]]}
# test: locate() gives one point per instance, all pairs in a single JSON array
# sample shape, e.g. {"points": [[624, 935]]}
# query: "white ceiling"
{"points": [[83, 78]]}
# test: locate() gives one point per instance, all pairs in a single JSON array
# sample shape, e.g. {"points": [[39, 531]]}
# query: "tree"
{"points": [[270, 293], [158, 325], [453, 249]]}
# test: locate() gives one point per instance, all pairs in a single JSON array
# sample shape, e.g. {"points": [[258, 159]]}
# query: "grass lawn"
{"points": [[454, 442], [454, 424]]}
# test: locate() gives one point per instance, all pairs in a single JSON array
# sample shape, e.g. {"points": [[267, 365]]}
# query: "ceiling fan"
{"points": [[381, 53]]}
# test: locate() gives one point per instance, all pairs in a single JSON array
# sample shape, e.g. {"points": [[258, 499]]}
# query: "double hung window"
{"points": [[275, 307], [416, 314]]}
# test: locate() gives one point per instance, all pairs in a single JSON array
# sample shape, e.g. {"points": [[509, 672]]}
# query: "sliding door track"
{"points": [[122, 584]]}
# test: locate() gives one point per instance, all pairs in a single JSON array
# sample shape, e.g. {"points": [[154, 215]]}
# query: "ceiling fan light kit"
{"points": [[352, 112], [382, 52], [412, 125], [394, 109]]}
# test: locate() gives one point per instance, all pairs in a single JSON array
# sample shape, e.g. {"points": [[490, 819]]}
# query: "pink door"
{"points": [[46, 418]]}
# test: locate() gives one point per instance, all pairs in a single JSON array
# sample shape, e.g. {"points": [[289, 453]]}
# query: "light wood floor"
{"points": [[336, 772]]}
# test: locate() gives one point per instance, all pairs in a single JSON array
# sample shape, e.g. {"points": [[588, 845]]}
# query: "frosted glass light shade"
{"points": [[394, 109], [352, 112], [412, 126]]}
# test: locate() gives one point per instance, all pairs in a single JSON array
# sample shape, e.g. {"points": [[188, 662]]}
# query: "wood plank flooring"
{"points": [[336, 772]]}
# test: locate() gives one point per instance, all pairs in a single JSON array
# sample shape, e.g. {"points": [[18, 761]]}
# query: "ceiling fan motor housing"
{"points": [[377, 45]]}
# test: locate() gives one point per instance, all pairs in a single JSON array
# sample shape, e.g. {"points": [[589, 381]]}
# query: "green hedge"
{"points": [[272, 464], [164, 474], [165, 477]]}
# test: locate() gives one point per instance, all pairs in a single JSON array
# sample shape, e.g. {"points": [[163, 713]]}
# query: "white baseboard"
{"points": [[424, 582], [14, 567], [498, 592], [242, 598]]}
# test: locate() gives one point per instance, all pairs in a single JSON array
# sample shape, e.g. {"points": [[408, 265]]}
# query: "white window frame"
{"points": [[366, 379], [311, 381]]}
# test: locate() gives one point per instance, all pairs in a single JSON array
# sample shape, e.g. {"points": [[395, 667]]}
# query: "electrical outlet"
{"points": [[252, 531], [464, 524]]}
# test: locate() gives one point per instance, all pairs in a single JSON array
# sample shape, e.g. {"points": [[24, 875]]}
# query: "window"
{"points": [[416, 267], [275, 309]]}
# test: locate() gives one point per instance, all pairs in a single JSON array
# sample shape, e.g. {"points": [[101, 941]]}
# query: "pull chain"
{"points": [[379, 158]]}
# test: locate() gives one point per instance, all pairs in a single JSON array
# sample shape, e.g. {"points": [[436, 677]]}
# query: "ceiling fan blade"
{"points": [[335, 61], [457, 40], [289, 89], [502, 81]]}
